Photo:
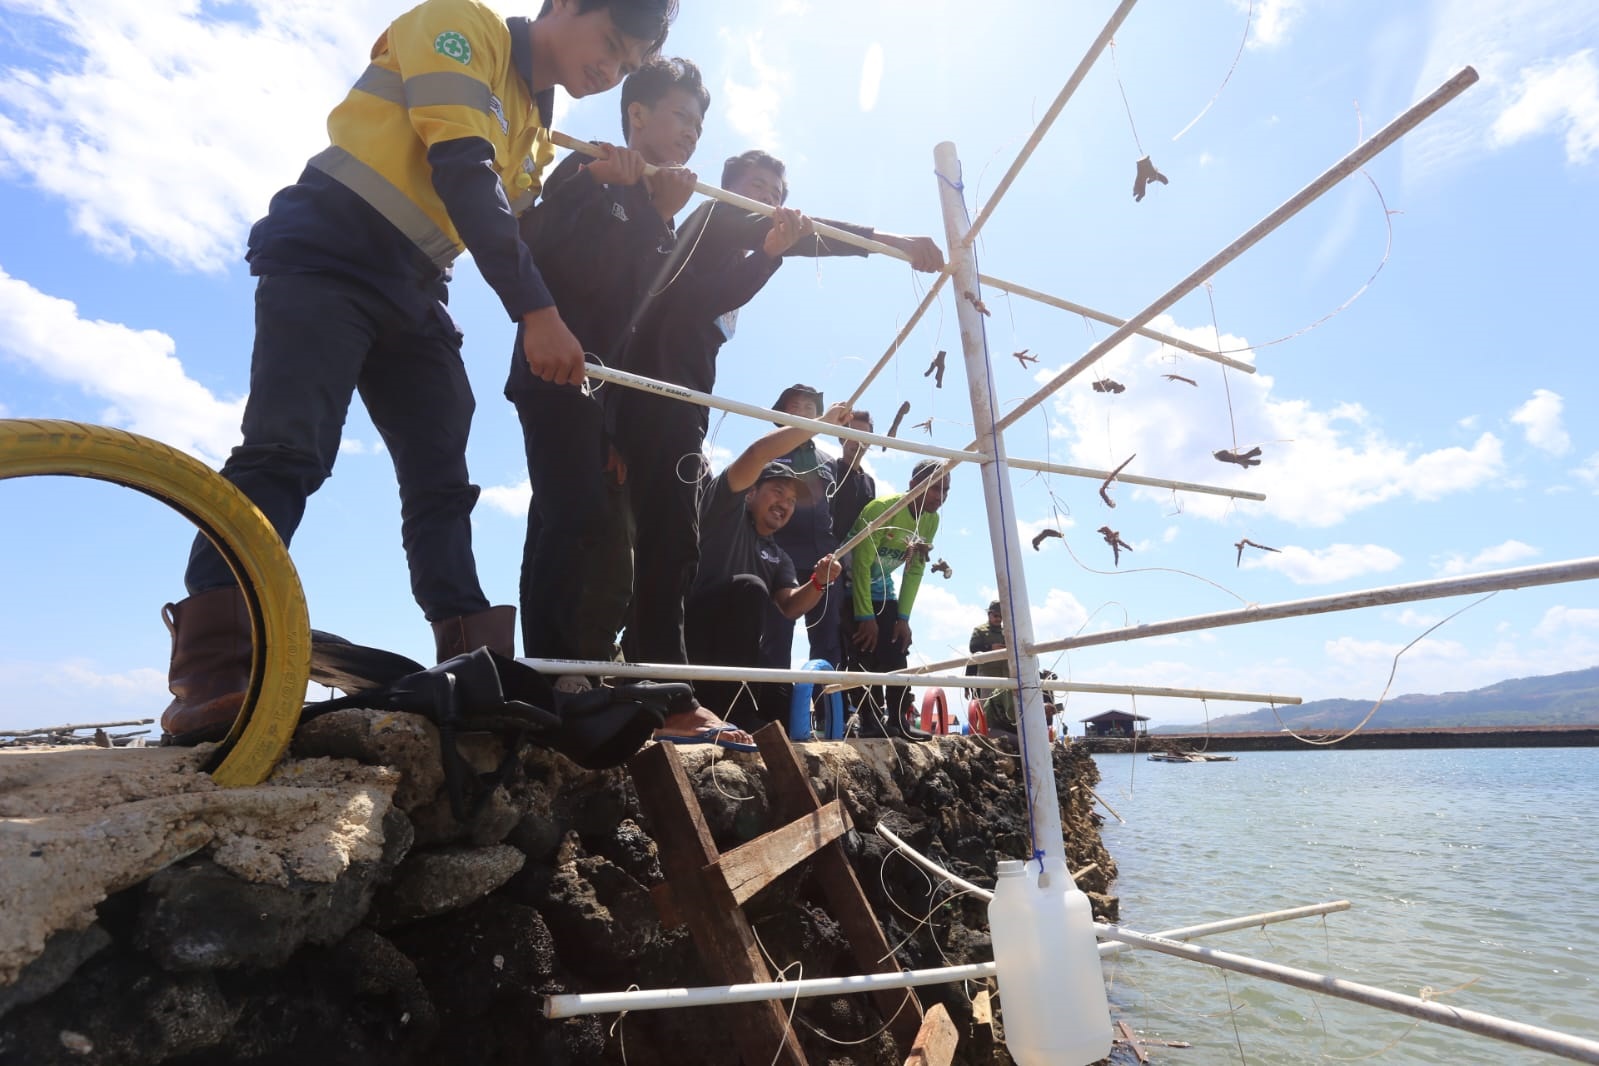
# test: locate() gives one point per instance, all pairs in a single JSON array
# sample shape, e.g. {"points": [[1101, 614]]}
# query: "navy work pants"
{"points": [[662, 441], [577, 560], [319, 339]]}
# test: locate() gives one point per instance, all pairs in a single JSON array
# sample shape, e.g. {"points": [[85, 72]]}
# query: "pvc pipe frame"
{"points": [[705, 399], [838, 680], [867, 244], [1383, 596], [573, 1005], [1045, 833], [1407, 121]]}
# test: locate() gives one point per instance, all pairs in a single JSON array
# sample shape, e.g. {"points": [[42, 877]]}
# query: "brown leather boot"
{"points": [[494, 629], [210, 670]]}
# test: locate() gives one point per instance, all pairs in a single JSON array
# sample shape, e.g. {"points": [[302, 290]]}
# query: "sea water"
{"points": [[1473, 874]]}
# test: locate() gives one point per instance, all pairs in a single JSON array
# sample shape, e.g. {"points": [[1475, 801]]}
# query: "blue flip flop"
{"points": [[710, 734]]}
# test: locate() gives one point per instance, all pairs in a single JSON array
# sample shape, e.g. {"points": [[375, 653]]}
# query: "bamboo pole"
{"points": [[1346, 166], [72, 728], [572, 1005], [1575, 1048], [1105, 805], [1493, 581]]}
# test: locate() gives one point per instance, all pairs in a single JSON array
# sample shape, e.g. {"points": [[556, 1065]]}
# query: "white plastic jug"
{"points": [[1051, 988]]}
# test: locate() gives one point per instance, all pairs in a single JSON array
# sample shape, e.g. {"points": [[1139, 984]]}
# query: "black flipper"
{"points": [[352, 668]]}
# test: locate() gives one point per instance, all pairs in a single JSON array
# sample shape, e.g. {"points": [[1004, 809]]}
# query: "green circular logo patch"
{"points": [[452, 44]]}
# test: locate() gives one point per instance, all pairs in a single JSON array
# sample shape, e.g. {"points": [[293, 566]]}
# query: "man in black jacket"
{"points": [[725, 255], [598, 237]]}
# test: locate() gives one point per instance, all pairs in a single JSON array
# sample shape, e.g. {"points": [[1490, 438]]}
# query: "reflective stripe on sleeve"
{"points": [[447, 89], [388, 201], [384, 84]]}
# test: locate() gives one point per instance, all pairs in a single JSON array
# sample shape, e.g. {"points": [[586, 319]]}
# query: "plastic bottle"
{"points": [[1051, 988]]}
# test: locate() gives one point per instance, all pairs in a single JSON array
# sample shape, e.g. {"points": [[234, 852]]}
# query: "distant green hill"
{"points": [[1557, 699]]}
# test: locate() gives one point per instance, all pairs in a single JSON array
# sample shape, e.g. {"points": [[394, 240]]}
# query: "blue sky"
{"points": [[1440, 424]]}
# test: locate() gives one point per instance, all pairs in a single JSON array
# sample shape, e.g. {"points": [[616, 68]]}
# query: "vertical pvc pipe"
{"points": [[1043, 804]]}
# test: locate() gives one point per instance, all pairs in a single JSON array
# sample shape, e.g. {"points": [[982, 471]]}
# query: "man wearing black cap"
{"points": [[999, 705], [807, 537], [742, 568]]}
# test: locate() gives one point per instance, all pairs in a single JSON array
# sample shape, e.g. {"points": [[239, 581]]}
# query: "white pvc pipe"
{"points": [[1043, 805], [766, 414], [1386, 595], [1349, 164], [1575, 1048], [704, 399], [572, 1005], [1229, 925]]}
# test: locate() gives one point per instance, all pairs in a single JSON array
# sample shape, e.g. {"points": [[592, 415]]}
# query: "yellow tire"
{"points": [[281, 628]]}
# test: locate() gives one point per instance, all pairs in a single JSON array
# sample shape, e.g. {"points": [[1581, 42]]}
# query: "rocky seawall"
{"points": [[339, 914]]}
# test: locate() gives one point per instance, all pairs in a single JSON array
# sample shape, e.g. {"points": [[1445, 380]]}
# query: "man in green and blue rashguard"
{"points": [[878, 636]]}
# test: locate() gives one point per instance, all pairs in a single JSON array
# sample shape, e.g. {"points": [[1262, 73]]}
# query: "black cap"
{"points": [[781, 471], [800, 390], [993, 608]]}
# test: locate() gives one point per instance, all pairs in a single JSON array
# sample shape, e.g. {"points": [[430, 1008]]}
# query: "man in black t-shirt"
{"points": [[742, 568]]}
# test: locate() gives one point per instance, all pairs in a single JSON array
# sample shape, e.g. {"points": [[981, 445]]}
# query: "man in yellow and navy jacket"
{"points": [[435, 151]]}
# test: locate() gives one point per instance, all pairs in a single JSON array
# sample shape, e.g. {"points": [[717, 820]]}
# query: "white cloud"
{"points": [[166, 129], [1351, 651], [1336, 562], [1417, 619], [871, 76], [1588, 472], [1551, 96], [1060, 615], [1273, 19], [135, 371], [1318, 465], [752, 107], [1499, 555], [356, 446], [1557, 619], [1540, 419], [1512, 47], [509, 499]]}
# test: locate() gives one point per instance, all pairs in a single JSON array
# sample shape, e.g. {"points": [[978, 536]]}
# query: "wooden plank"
{"points": [[750, 867], [793, 796], [722, 935], [1131, 1040], [935, 1043]]}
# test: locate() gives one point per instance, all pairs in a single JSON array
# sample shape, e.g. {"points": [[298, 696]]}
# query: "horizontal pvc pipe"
{"points": [[1111, 320], [1493, 581], [766, 414], [980, 681], [704, 399], [573, 1005], [753, 674], [1229, 925], [1575, 1048], [1133, 479]]}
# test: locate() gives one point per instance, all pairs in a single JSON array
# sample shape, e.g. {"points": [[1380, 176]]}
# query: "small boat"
{"points": [[1189, 756]]}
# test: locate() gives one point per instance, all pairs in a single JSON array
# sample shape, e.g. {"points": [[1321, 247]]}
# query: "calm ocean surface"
{"points": [[1470, 867]]}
